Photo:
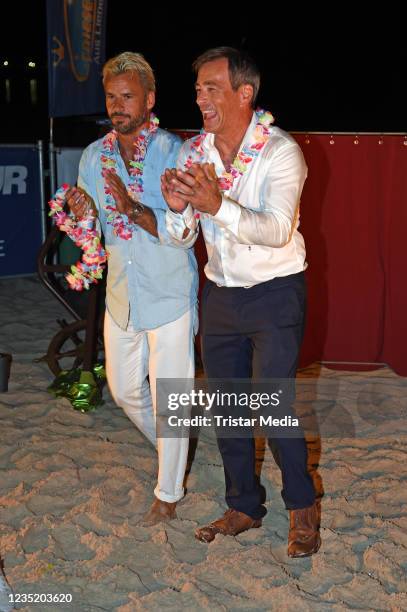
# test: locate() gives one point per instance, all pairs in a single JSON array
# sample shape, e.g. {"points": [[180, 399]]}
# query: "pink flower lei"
{"points": [[242, 160], [90, 269], [121, 226]]}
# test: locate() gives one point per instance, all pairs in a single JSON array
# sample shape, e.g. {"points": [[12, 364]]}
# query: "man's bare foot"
{"points": [[159, 511]]}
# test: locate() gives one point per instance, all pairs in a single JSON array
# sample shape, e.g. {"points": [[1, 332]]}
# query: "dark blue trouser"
{"points": [[257, 332]]}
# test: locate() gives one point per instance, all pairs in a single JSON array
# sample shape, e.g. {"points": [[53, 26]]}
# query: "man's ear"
{"points": [[150, 100], [246, 94]]}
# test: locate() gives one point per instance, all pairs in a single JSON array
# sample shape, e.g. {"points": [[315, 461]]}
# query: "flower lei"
{"points": [[90, 269], [242, 160], [121, 225]]}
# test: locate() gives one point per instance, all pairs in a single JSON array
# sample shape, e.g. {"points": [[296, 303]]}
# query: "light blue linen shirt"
{"points": [[150, 280]]}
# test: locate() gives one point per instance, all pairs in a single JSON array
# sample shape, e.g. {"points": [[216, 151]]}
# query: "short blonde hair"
{"points": [[130, 62]]}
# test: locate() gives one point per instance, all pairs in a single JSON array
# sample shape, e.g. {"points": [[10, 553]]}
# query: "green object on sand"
{"points": [[82, 388]]}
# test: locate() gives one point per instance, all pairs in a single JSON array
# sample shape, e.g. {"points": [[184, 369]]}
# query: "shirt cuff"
{"points": [[177, 222], [189, 218], [228, 214]]}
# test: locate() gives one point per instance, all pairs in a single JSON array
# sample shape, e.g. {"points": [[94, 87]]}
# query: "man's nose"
{"points": [[201, 98], [117, 106]]}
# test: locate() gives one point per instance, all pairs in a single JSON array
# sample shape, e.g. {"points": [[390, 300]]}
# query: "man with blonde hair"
{"points": [[151, 284]]}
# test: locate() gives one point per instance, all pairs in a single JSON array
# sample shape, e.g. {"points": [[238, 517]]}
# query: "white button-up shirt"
{"points": [[254, 235]]}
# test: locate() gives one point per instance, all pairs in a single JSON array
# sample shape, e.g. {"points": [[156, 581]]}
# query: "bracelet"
{"points": [[136, 211]]}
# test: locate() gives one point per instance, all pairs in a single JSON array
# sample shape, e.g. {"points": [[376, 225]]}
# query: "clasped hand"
{"points": [[197, 186], [80, 202]]}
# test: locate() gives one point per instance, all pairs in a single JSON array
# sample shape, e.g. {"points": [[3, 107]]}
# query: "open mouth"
{"points": [[209, 115]]}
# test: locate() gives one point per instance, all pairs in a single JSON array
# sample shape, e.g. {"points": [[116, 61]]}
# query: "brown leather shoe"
{"points": [[159, 511], [231, 523], [303, 537]]}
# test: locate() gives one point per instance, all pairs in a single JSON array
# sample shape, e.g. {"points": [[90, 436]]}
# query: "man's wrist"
{"points": [[217, 206], [135, 212], [178, 212]]}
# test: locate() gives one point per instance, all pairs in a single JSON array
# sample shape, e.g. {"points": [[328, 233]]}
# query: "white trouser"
{"points": [[164, 352]]}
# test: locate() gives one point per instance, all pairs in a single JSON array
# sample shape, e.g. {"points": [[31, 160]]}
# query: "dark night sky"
{"points": [[350, 77]]}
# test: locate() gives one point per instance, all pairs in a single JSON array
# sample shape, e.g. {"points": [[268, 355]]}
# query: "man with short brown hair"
{"points": [[242, 181]]}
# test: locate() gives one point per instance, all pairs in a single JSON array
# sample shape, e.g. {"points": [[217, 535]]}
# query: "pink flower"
{"points": [[74, 283], [90, 258]]}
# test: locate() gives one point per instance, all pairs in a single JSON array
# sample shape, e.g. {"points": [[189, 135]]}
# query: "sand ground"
{"points": [[73, 487]]}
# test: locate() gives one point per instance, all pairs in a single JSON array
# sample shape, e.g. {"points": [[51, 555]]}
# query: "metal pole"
{"points": [[40, 146], [51, 152]]}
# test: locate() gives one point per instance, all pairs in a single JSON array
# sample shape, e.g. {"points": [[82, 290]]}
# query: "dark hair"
{"points": [[242, 68]]}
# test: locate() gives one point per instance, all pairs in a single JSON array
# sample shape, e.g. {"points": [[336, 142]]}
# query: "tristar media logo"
{"points": [[82, 33]]}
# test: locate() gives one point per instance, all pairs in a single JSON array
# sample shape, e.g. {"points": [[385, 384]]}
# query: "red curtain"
{"points": [[354, 221], [353, 218]]}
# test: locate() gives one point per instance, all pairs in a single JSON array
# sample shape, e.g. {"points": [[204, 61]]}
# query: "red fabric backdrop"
{"points": [[354, 221]]}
